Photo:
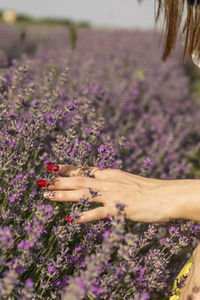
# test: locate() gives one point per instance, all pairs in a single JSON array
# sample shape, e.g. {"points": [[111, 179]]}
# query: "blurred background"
{"points": [[77, 14], [105, 13]]}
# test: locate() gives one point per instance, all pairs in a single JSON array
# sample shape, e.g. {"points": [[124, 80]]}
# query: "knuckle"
{"points": [[86, 194], [79, 181]]}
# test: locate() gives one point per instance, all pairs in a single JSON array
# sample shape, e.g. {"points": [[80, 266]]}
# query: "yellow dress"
{"points": [[184, 271]]}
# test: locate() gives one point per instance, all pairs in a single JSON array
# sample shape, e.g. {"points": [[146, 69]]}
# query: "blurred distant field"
{"points": [[27, 33]]}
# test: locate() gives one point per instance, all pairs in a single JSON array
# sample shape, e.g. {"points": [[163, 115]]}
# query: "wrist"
{"points": [[178, 199], [186, 196]]}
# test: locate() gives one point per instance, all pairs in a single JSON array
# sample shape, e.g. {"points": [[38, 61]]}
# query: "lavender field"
{"points": [[109, 103]]}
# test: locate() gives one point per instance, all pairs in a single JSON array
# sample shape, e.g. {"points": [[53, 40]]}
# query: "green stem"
{"points": [[3, 222], [161, 253], [5, 201], [52, 244], [81, 168], [1, 269], [128, 292], [117, 288], [63, 268], [1, 174], [166, 246], [51, 241], [164, 257], [46, 284], [29, 272], [172, 253]]}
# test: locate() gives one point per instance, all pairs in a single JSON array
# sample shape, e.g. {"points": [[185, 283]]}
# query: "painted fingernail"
{"points": [[41, 183], [53, 168], [69, 219], [50, 195]]}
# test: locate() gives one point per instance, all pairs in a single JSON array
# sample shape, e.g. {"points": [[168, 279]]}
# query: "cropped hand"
{"points": [[112, 185]]}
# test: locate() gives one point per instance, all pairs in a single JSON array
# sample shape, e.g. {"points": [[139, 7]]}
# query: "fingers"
{"points": [[96, 214], [70, 170], [72, 196], [75, 183]]}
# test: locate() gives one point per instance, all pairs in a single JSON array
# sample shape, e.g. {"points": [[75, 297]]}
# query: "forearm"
{"points": [[187, 199]]}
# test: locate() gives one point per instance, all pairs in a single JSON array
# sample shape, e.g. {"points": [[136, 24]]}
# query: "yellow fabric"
{"points": [[184, 271]]}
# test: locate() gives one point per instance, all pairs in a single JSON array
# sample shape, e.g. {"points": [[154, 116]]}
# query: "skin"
{"points": [[136, 192], [146, 200], [191, 290]]}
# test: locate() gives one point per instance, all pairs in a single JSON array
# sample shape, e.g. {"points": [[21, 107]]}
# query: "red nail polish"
{"points": [[53, 168], [68, 219], [41, 183]]}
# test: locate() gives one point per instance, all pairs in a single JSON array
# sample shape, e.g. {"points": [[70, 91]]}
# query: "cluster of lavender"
{"points": [[111, 103]]}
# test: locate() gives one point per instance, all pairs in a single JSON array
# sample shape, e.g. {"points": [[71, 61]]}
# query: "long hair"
{"points": [[173, 11]]}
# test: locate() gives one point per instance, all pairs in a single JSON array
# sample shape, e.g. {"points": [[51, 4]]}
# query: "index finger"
{"points": [[69, 170]]}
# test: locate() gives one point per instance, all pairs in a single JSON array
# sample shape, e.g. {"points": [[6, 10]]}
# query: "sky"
{"points": [[100, 13]]}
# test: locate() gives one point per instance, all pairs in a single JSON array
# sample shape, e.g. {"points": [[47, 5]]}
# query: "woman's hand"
{"points": [[191, 289], [146, 200]]}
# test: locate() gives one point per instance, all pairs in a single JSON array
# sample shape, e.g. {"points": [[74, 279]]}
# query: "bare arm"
{"points": [[189, 208], [146, 199], [182, 196]]}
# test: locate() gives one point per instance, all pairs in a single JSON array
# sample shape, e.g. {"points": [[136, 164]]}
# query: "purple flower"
{"points": [[41, 229], [106, 233], [135, 92], [12, 199], [173, 230], [102, 148], [79, 281], [28, 227], [23, 245], [94, 194], [48, 208], [57, 283], [51, 269], [5, 237], [20, 269], [29, 283], [9, 114]]}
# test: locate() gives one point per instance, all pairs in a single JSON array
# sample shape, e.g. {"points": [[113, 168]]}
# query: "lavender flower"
{"points": [[114, 106]]}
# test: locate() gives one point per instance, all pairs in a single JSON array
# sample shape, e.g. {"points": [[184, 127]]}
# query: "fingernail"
{"points": [[68, 219], [41, 183], [53, 168], [50, 195]]}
